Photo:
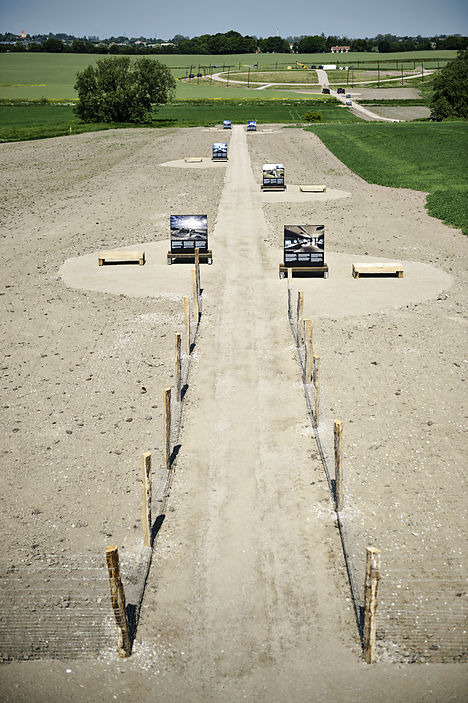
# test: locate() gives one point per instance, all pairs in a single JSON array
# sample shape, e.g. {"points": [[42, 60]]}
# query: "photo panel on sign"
{"points": [[227, 124], [189, 232], [304, 245], [273, 174], [219, 150], [251, 126]]}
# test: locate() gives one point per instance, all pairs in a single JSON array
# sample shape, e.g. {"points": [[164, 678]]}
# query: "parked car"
{"points": [[341, 91], [326, 90], [313, 66], [348, 95], [349, 101]]}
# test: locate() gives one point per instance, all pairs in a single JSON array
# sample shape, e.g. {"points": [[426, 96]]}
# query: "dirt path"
{"points": [[258, 565]]}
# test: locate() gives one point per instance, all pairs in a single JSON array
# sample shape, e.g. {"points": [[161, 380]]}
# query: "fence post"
{"points": [[371, 583], [146, 498], [187, 324], [315, 380], [339, 488], [309, 350], [299, 316], [124, 646], [178, 367], [167, 428], [196, 313], [197, 268]]}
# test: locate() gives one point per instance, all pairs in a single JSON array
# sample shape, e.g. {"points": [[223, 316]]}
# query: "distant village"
{"points": [[231, 42]]}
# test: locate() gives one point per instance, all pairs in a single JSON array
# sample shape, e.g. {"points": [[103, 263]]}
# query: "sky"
{"points": [[261, 18]]}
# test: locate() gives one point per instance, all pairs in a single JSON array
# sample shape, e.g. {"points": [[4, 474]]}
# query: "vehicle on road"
{"points": [[326, 90]]}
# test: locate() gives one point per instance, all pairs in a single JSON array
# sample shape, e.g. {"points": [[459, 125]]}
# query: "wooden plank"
{"points": [[124, 646], [378, 267], [205, 257], [123, 255], [193, 160], [313, 189], [302, 270], [300, 316], [371, 583], [146, 498]]}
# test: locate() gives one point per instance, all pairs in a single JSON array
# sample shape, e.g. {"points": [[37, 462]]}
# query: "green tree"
{"points": [[118, 89], [311, 45], [450, 97]]}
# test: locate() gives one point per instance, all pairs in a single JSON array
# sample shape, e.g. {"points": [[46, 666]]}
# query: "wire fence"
{"points": [[422, 604]]}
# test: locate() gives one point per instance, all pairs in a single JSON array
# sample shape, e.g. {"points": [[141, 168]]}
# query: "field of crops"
{"points": [[52, 76], [430, 157]]}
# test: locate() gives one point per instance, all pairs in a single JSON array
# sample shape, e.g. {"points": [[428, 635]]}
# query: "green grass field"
{"points": [[430, 157], [20, 122], [52, 76]]}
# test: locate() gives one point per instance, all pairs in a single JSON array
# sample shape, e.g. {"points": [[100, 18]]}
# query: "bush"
{"points": [[450, 99], [313, 116], [121, 90]]}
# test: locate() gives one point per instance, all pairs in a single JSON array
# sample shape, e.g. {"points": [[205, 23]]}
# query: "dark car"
{"points": [[313, 66], [326, 90], [341, 91]]}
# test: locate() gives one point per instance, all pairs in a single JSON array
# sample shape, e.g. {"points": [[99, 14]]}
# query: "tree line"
{"points": [[231, 42]]}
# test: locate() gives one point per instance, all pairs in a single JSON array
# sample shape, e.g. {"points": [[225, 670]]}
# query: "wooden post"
{"points": [[124, 646], [196, 313], [227, 84], [146, 498], [371, 583], [187, 324], [197, 268], [178, 366], [315, 380], [299, 316], [309, 350], [339, 488], [248, 79], [167, 428]]}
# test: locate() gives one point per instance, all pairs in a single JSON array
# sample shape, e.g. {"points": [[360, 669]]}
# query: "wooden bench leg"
{"points": [[100, 262]]}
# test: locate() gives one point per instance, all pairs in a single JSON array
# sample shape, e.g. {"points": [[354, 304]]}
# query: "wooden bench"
{"points": [[303, 270], [121, 257], [313, 189], [206, 257], [193, 160], [394, 268]]}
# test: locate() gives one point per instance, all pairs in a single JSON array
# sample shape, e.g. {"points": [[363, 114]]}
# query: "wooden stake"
{"points": [[146, 498], [315, 380], [124, 646], [187, 324], [197, 268], [309, 350], [178, 366], [299, 316], [371, 583], [196, 314], [167, 428], [339, 488]]}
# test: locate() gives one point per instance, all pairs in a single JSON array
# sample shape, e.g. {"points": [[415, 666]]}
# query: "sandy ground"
{"points": [[248, 597]]}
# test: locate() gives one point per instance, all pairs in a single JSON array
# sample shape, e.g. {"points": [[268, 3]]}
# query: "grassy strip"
{"points": [[425, 156], [21, 121]]}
